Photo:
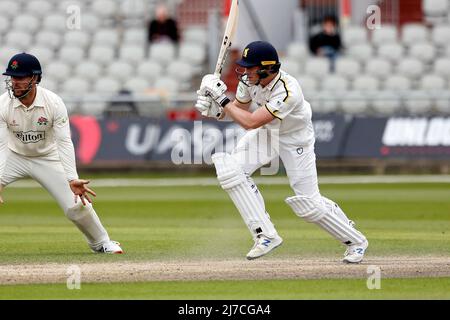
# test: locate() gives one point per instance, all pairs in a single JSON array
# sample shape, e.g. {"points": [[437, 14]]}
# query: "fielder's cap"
{"points": [[258, 53], [22, 65]]}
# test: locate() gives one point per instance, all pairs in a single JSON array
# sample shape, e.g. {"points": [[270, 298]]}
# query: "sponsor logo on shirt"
{"points": [[30, 136]]}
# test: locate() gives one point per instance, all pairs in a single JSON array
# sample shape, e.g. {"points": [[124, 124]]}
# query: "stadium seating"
{"points": [[382, 71]]}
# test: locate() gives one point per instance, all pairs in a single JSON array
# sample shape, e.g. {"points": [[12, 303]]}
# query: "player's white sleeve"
{"points": [[282, 102], [61, 128], [3, 144]]}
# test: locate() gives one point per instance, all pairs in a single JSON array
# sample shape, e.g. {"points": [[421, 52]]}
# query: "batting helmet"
{"points": [[258, 53], [22, 65], [262, 54]]}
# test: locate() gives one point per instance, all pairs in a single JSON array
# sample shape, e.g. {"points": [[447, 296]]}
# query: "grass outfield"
{"points": [[419, 288], [173, 223]]}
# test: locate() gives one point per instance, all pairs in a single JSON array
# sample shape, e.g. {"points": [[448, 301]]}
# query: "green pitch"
{"points": [[188, 223]]}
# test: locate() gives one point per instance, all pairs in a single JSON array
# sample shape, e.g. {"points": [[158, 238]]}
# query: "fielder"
{"points": [[35, 142], [283, 118]]}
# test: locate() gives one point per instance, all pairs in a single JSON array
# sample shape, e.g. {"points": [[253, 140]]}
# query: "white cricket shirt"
{"points": [[41, 130], [284, 99]]}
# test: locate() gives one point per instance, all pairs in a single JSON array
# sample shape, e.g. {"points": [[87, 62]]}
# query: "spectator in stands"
{"points": [[163, 27], [327, 43]]}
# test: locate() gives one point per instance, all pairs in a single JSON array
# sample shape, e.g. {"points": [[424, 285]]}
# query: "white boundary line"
{"points": [[188, 182]]}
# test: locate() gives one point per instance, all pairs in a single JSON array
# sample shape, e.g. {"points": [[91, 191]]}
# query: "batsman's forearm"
{"points": [[241, 116]]}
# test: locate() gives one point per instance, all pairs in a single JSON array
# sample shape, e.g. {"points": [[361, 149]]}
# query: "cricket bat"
{"points": [[230, 29]]}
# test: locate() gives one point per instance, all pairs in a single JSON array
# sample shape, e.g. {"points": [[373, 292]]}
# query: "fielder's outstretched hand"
{"points": [[79, 189], [1, 199]]}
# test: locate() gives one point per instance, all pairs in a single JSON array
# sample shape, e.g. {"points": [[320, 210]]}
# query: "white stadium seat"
{"points": [[133, 9], [413, 33], [44, 54], [180, 70], [307, 84], [75, 86], [88, 69], [149, 70], [366, 83], [387, 33], [77, 38], [335, 83], [66, 5], [58, 70], [19, 39], [101, 54], [391, 51], [435, 11], [166, 85], [5, 25], [317, 67], [352, 35], [106, 37], [132, 53], [386, 102], [120, 69], [348, 68], [422, 51], [410, 67], [162, 52], [195, 34], [71, 55], [107, 85], [104, 8], [39, 8], [354, 102], [442, 105], [297, 51], [291, 66], [9, 8], [55, 22], [397, 82], [441, 35], [432, 82], [137, 85], [447, 51], [90, 22], [49, 84], [93, 108], [192, 53], [48, 38], [26, 22], [442, 67], [324, 101], [418, 103], [134, 36], [360, 52]]}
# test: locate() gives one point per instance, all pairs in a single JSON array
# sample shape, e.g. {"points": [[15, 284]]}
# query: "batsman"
{"points": [[270, 105], [35, 142]]}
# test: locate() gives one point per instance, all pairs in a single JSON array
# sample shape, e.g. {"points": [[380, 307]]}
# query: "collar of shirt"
{"points": [[38, 100], [272, 83]]}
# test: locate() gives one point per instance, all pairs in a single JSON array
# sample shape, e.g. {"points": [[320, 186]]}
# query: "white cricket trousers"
{"points": [[50, 175], [260, 146]]}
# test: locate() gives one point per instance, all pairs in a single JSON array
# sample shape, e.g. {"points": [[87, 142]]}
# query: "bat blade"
{"points": [[230, 30], [228, 36]]}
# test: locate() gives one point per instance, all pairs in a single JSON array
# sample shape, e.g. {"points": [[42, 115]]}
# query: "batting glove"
{"points": [[207, 107], [215, 88]]}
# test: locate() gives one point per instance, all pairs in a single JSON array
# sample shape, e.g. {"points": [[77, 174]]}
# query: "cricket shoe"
{"points": [[263, 245], [355, 252], [112, 247]]}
